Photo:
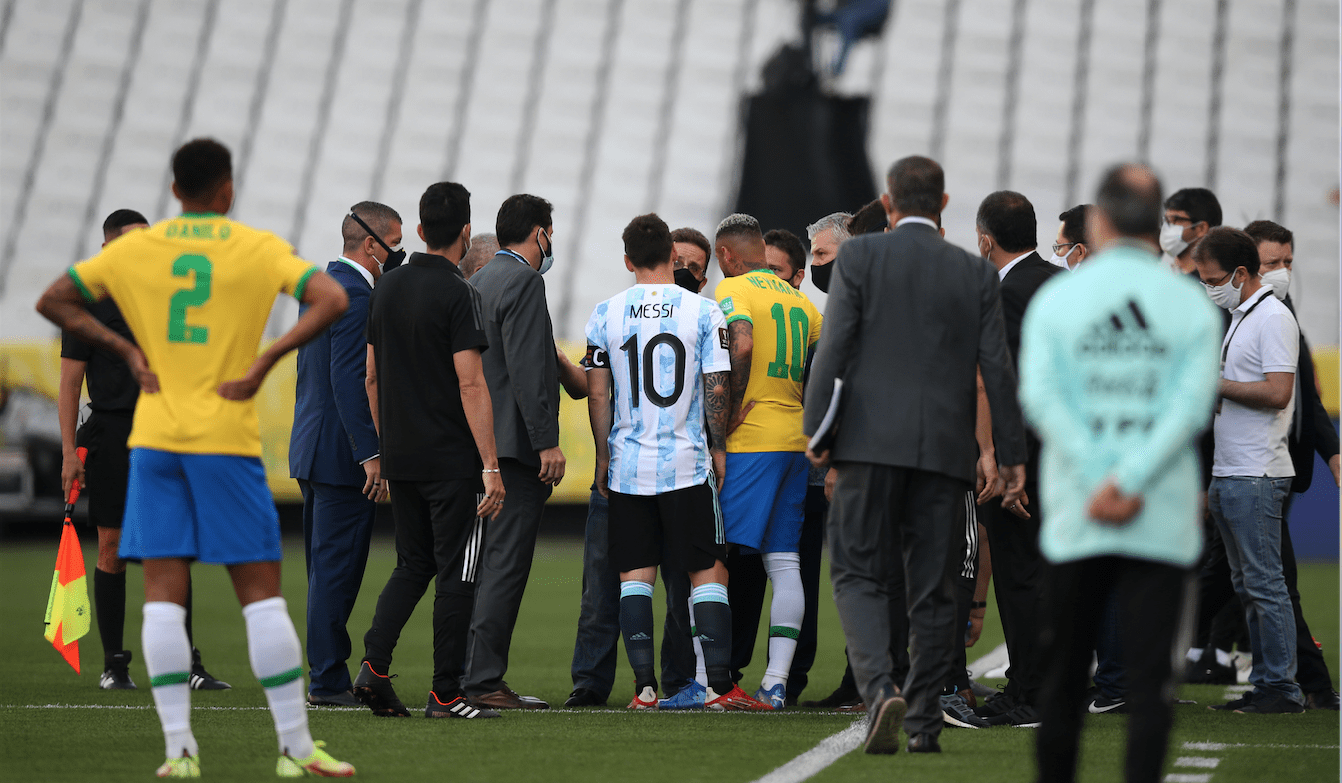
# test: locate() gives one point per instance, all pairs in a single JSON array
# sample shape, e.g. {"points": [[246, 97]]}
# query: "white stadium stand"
{"points": [[610, 108]]}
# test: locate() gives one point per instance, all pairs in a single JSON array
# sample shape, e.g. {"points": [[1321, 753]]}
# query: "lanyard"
{"points": [[528, 263], [1225, 349]]}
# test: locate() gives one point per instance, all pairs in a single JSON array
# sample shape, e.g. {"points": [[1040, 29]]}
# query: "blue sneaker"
{"points": [[691, 697], [775, 697]]}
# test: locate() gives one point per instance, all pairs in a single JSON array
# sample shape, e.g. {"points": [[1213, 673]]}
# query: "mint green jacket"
{"points": [[1120, 366]]}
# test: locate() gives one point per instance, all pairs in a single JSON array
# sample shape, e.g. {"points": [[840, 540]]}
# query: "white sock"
{"points": [[277, 661], [785, 614], [700, 673], [1195, 654], [1224, 658], [167, 656]]}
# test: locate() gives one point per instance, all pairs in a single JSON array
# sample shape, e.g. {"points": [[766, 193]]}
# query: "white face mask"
{"points": [[1172, 239], [1279, 280], [1061, 260], [1226, 295]]}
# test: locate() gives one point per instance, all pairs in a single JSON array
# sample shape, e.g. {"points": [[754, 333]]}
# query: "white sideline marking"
{"points": [[811, 762], [1175, 777], [1227, 745], [1202, 762]]}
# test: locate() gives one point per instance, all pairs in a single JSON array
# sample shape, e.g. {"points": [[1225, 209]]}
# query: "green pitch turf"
{"points": [[56, 726]]}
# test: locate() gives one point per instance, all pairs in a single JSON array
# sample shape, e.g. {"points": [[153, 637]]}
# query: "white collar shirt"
{"points": [[1002, 273], [916, 219], [1263, 337]]}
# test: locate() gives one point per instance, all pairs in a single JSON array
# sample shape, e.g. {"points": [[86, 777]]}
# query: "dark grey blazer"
{"points": [[520, 365], [909, 316]]}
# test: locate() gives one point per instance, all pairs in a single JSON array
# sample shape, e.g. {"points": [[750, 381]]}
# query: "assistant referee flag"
{"points": [[68, 604]]}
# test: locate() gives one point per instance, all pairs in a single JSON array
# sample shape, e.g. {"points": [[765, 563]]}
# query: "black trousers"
{"points": [[1154, 610], [1017, 577], [883, 517], [438, 536], [509, 548]]}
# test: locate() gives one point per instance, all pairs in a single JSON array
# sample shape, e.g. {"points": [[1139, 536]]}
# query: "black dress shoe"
{"points": [[345, 699], [924, 743], [584, 697]]}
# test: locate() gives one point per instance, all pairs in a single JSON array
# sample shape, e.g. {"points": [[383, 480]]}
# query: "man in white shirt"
{"points": [[1252, 469]]}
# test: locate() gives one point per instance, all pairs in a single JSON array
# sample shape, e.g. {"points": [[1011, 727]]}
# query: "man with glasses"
{"points": [[334, 455], [1071, 248], [1252, 468], [1189, 214]]}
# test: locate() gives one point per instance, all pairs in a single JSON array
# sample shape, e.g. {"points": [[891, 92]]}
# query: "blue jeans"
{"points": [[1248, 512], [594, 649]]}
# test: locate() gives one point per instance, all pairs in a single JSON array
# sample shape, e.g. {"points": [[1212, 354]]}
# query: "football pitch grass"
{"points": [[56, 726]]}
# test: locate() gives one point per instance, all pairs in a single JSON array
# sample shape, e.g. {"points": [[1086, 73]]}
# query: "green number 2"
{"points": [[179, 331], [800, 332]]}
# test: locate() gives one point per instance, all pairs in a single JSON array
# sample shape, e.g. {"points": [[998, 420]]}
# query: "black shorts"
{"points": [[679, 530], [106, 468]]}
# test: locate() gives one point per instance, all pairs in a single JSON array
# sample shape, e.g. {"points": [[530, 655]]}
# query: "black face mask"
{"points": [[686, 279], [820, 276], [394, 257]]}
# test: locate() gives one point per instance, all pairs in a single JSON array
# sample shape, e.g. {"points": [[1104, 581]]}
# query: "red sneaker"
{"points": [[735, 699], [647, 700]]}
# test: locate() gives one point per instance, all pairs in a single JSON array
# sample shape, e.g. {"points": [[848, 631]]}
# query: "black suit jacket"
{"points": [[1312, 430], [1018, 288], [909, 317], [520, 365]]}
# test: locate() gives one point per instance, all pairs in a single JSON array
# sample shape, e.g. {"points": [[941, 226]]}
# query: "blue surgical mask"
{"points": [[547, 256]]}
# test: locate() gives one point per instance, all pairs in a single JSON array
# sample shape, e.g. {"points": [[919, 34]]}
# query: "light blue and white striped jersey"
{"points": [[658, 341]]}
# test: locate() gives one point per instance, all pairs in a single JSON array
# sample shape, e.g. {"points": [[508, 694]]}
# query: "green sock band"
{"points": [[172, 678], [283, 678], [783, 630]]}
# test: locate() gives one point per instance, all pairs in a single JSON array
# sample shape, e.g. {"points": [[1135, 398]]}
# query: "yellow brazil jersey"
{"points": [[196, 292], [785, 325]]}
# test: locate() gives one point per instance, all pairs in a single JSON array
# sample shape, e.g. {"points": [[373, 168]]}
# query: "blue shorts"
{"points": [[762, 499], [215, 508]]}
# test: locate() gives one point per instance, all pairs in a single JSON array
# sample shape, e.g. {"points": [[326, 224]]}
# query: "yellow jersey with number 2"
{"points": [[784, 326], [196, 291]]}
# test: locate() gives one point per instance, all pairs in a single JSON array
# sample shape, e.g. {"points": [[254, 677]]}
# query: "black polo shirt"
{"points": [[112, 387], [420, 314]]}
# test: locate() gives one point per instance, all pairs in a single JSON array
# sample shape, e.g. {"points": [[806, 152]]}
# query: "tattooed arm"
{"points": [[741, 336], [716, 402]]}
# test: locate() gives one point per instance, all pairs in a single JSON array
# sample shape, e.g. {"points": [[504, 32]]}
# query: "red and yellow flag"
{"points": [[68, 611]]}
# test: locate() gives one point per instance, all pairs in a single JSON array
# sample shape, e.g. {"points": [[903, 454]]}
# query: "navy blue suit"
{"points": [[333, 435]]}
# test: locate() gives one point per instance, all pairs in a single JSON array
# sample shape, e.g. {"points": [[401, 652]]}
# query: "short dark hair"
{"points": [[694, 237], [738, 224], [1266, 231], [1008, 217], [1199, 203], [120, 219], [871, 219], [518, 214], [1074, 223], [200, 166], [916, 185], [789, 243], [1230, 248], [444, 210], [379, 217], [647, 241], [1129, 196]]}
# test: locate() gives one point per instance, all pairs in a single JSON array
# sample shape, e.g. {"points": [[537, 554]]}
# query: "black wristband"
{"points": [[978, 605]]}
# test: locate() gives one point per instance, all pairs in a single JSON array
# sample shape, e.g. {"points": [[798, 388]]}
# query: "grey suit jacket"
{"points": [[909, 316], [520, 365]]}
